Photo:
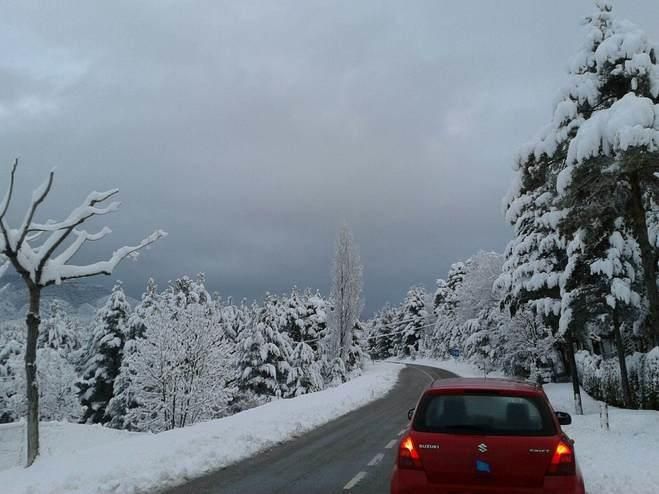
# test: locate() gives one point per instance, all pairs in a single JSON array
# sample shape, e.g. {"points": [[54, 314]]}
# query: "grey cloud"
{"points": [[251, 130]]}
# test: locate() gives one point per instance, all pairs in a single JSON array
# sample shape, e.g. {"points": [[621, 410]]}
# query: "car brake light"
{"points": [[562, 463], [408, 455]]}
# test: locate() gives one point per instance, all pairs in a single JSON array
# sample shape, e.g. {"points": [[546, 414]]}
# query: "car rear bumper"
{"points": [[416, 482]]}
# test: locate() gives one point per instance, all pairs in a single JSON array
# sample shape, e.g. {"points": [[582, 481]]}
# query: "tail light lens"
{"points": [[562, 463], [408, 455]]}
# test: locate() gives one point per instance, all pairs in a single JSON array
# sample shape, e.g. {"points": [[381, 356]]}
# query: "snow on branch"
{"points": [[39, 262], [56, 272]]}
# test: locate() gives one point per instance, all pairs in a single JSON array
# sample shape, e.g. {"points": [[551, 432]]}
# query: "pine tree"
{"points": [[124, 396], [356, 357], [12, 342], [609, 182], [381, 340], [316, 314], [58, 330], [96, 388], [412, 322], [544, 248], [446, 300], [264, 354], [306, 371]]}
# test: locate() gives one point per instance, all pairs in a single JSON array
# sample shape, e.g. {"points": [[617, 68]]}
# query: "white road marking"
{"points": [[402, 432], [355, 480], [391, 444], [376, 459]]}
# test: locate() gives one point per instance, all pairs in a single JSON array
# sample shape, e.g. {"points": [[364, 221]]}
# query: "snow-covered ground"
{"points": [[57, 438], [80, 459], [624, 459], [458, 367]]}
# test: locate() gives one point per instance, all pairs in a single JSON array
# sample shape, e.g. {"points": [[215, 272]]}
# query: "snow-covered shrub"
{"points": [[601, 378]]}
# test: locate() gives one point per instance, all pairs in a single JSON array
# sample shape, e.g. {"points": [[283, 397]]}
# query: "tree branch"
{"points": [[63, 273], [81, 238], [78, 216], [5, 204], [37, 198]]}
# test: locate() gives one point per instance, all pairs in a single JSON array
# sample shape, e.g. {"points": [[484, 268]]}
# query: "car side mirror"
{"points": [[563, 418], [410, 413]]}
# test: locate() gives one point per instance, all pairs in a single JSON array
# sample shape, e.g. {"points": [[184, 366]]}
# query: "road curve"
{"points": [[352, 454]]}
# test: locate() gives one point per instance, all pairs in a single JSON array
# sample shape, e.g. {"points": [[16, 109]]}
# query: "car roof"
{"points": [[485, 384]]}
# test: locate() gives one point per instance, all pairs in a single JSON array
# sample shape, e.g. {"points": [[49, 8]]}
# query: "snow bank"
{"points": [[140, 462], [625, 458], [621, 460], [459, 367], [57, 438]]}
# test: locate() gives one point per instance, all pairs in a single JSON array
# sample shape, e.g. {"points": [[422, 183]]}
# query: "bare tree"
{"points": [[41, 253], [346, 292]]}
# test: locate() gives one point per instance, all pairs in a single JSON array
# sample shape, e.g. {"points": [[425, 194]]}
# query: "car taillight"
{"points": [[562, 463], [408, 454]]}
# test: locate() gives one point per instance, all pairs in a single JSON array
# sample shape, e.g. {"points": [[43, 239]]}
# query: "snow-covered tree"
{"points": [[12, 342], [179, 369], [59, 331], [413, 319], [96, 387], [306, 371], [601, 132], [346, 292], [609, 181], [467, 294], [445, 303], [124, 395], [381, 340], [357, 357], [41, 254], [608, 186], [264, 355]]}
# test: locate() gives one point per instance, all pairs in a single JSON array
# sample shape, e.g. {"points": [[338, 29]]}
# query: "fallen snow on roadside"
{"points": [[141, 462], [57, 438], [458, 367], [624, 459]]}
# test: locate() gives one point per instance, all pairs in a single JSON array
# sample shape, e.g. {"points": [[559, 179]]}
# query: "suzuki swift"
{"points": [[478, 436]]}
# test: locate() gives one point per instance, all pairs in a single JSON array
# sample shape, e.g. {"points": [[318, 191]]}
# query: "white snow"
{"points": [[624, 459], [132, 463], [57, 438], [459, 367], [630, 122]]}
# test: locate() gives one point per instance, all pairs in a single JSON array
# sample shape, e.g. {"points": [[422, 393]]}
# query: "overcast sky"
{"points": [[251, 131]]}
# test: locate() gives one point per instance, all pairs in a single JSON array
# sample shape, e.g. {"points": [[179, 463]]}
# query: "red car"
{"points": [[477, 436]]}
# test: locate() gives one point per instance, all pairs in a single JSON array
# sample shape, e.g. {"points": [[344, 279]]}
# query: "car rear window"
{"points": [[484, 413]]}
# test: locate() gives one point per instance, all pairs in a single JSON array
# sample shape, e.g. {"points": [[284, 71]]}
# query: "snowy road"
{"points": [[354, 453]]}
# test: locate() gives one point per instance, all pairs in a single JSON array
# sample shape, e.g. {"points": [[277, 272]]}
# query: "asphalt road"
{"points": [[352, 454]]}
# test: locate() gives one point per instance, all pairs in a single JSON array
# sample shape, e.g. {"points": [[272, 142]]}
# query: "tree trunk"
{"points": [[32, 387], [624, 378], [648, 256], [578, 408]]}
